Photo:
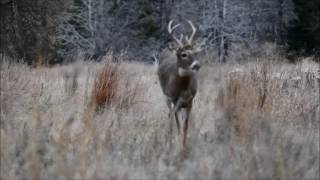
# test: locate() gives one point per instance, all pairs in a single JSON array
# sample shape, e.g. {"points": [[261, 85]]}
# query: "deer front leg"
{"points": [[184, 102], [182, 118], [173, 108], [185, 125], [177, 122]]}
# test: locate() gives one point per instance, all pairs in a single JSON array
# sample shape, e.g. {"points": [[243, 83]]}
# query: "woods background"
{"points": [[55, 31]]}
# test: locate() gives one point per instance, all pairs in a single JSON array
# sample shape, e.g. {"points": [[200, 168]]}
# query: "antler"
{"points": [[171, 30], [194, 30]]}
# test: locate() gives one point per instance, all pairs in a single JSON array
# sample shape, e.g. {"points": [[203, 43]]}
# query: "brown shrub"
{"points": [[105, 86], [107, 90]]}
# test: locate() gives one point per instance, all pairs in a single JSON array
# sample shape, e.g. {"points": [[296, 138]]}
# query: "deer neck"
{"points": [[184, 77]]}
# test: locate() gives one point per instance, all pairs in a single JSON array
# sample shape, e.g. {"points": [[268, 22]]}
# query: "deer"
{"points": [[177, 73]]}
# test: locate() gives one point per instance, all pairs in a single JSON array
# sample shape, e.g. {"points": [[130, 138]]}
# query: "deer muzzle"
{"points": [[195, 66]]}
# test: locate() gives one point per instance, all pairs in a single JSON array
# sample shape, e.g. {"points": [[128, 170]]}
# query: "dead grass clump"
{"points": [[105, 86], [244, 98], [129, 96]]}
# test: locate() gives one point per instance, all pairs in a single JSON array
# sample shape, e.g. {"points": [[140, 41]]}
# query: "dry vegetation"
{"points": [[101, 121]]}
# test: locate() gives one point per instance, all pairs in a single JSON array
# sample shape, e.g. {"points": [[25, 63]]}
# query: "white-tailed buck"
{"points": [[177, 74]]}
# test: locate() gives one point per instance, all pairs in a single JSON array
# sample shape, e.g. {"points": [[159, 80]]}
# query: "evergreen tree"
{"points": [[304, 34]]}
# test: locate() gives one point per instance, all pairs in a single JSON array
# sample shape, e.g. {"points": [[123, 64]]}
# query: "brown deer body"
{"points": [[177, 74]]}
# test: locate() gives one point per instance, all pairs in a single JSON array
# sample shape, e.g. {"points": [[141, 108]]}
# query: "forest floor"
{"points": [[88, 120]]}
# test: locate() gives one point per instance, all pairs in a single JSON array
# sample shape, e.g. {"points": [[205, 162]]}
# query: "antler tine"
{"points": [[194, 30], [181, 37], [171, 30]]}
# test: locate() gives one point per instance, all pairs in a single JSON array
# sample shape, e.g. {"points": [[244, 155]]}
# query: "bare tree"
{"points": [[228, 22]]}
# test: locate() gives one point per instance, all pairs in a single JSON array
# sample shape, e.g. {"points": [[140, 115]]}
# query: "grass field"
{"points": [[85, 120]]}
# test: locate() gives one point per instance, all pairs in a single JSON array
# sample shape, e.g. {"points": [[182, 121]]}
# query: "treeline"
{"points": [[54, 31]]}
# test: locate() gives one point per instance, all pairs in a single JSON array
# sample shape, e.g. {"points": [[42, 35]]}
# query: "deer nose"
{"points": [[195, 66]]}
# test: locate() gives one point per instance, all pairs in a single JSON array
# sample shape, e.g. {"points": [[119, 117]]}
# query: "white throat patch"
{"points": [[184, 72]]}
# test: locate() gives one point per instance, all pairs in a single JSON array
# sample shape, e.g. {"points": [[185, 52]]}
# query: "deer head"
{"points": [[185, 50]]}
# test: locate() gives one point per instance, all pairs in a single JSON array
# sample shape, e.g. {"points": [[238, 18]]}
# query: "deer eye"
{"points": [[183, 55]]}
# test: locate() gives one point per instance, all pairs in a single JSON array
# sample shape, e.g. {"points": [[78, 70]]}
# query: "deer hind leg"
{"points": [[171, 117]]}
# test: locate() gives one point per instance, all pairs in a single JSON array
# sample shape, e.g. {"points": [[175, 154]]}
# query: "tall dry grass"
{"points": [[258, 120]]}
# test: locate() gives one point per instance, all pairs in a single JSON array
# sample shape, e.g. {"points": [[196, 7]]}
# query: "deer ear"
{"points": [[200, 46], [198, 49], [172, 46]]}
